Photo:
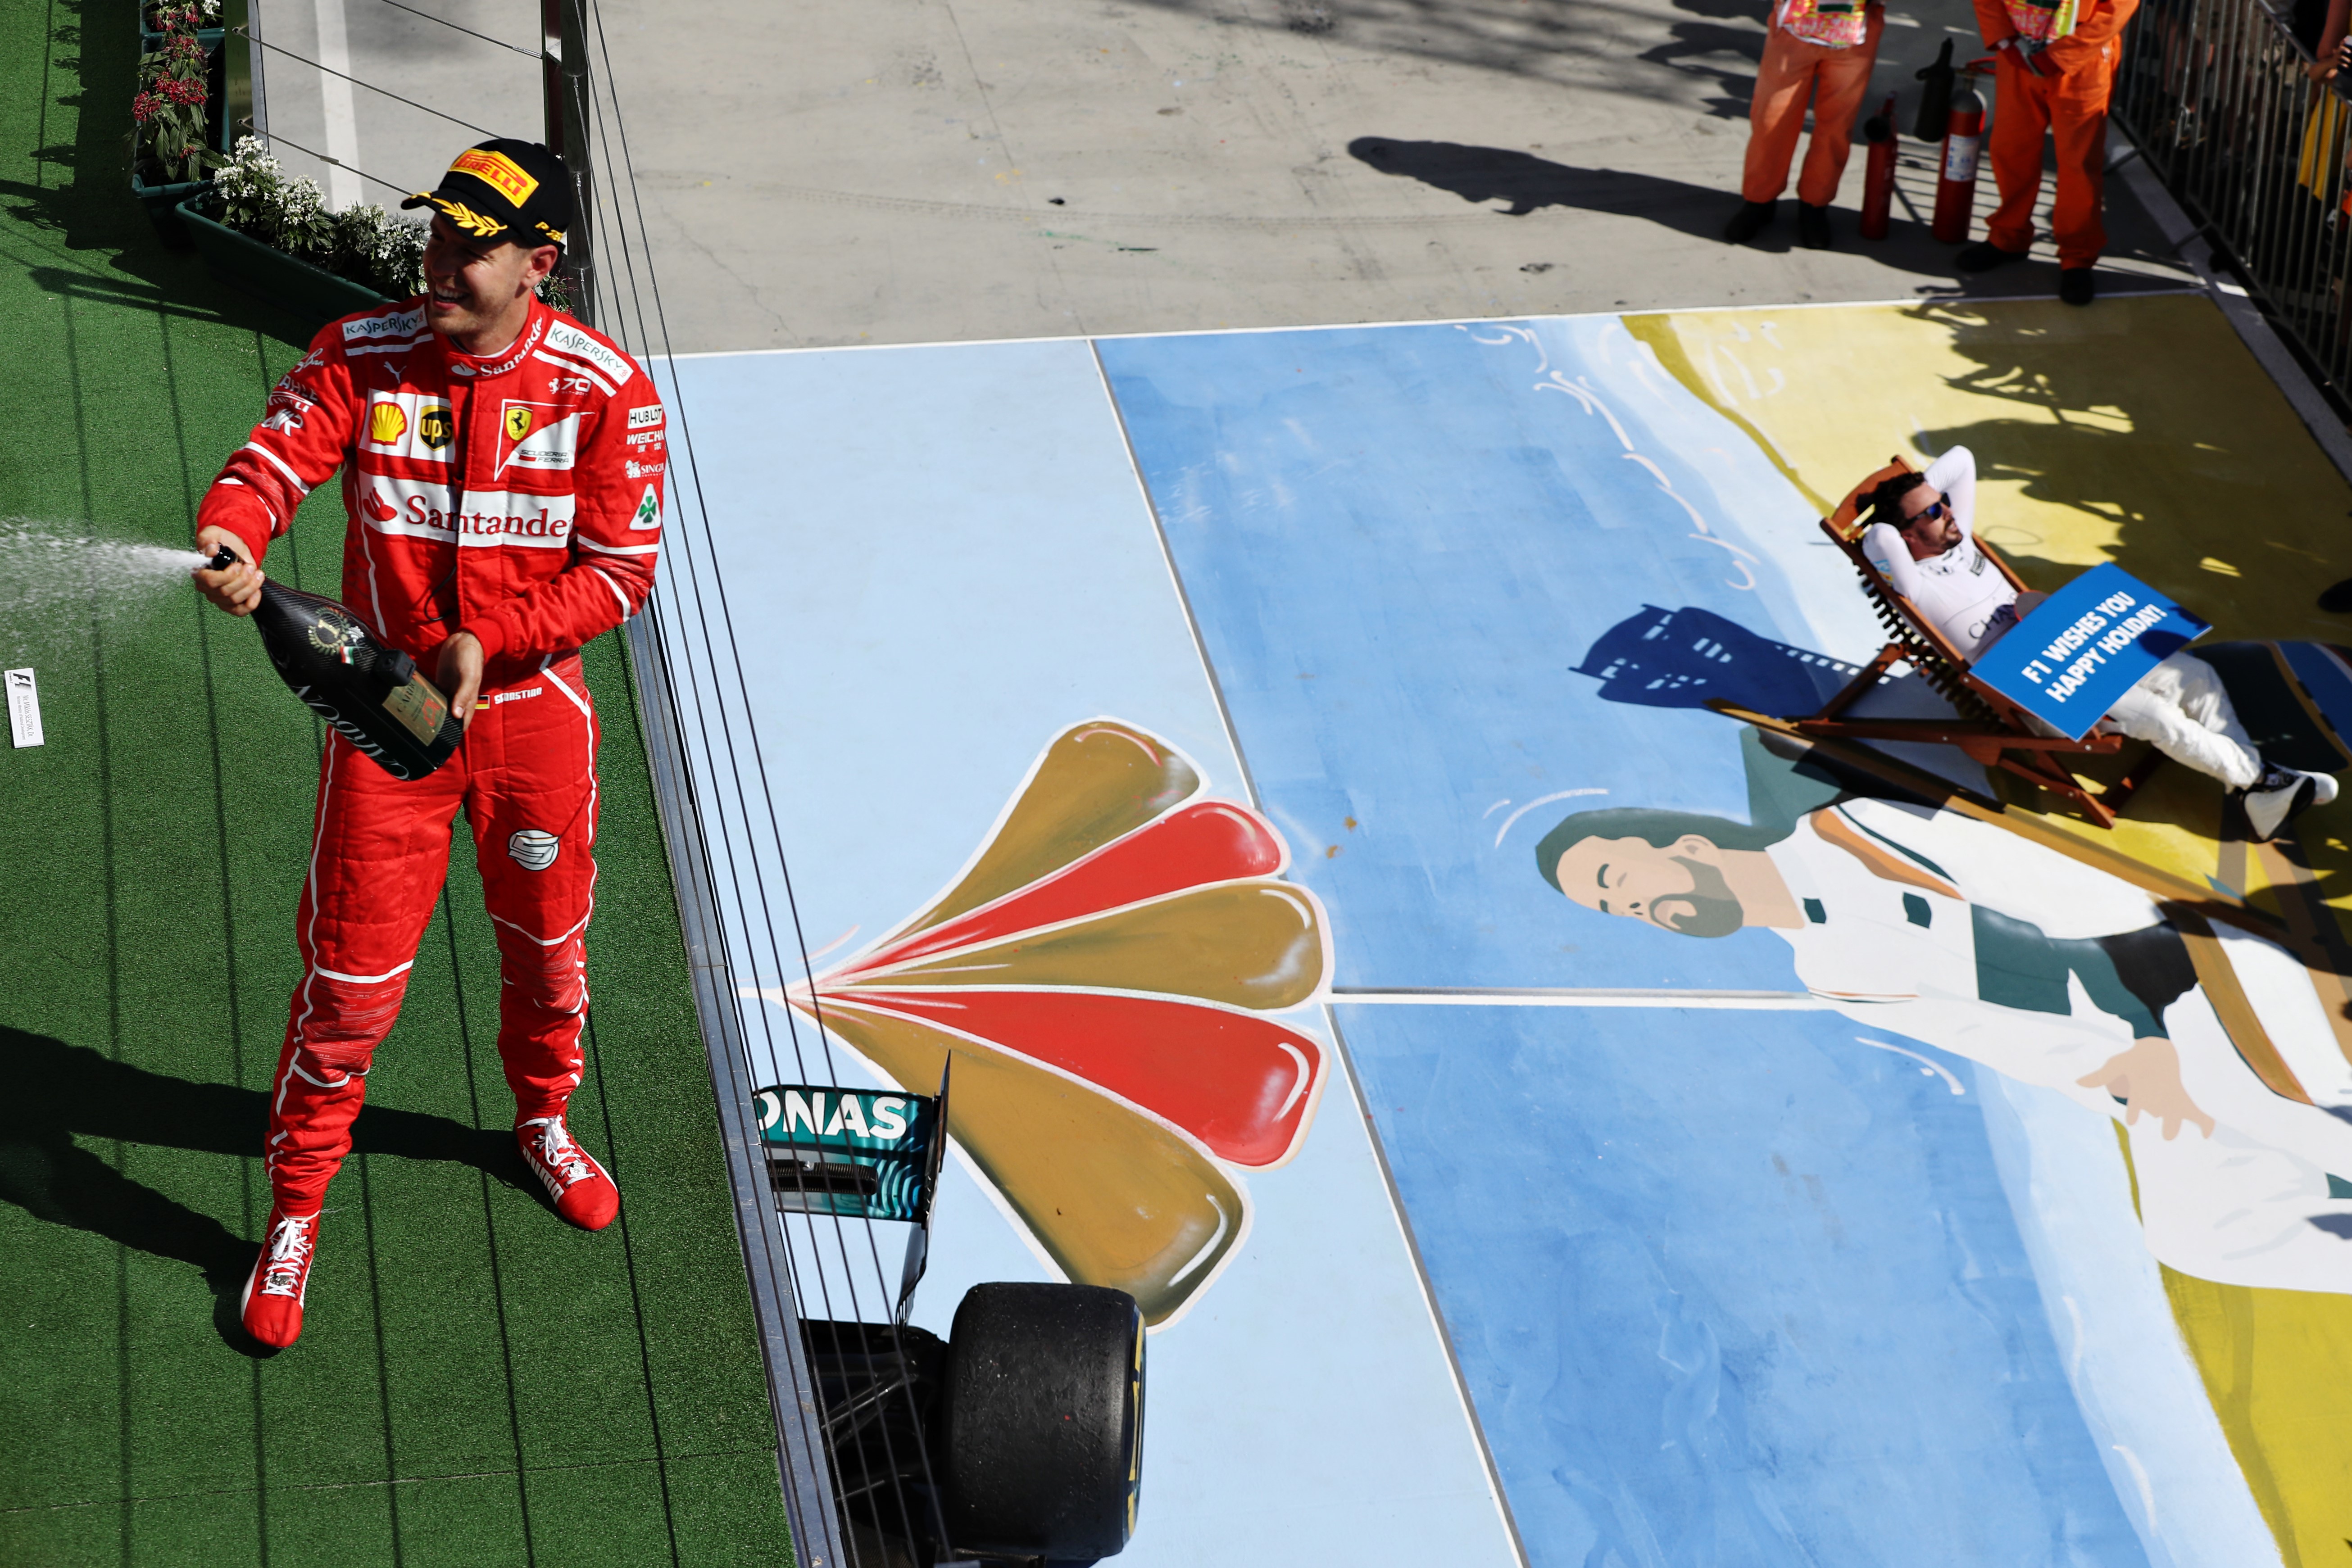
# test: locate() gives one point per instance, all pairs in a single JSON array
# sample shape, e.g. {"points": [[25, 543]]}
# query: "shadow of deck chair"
{"points": [[1991, 729]]}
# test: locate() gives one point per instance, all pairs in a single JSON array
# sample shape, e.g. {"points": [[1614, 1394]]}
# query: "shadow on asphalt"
{"points": [[1526, 184], [1530, 183]]}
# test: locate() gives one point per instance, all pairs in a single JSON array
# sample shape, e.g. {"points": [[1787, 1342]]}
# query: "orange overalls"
{"points": [[2071, 103], [1795, 69]]}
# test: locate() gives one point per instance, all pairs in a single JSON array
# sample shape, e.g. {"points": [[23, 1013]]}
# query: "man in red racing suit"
{"points": [[502, 467]]}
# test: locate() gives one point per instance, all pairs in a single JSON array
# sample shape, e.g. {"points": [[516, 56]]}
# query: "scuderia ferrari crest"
{"points": [[536, 436], [648, 513]]}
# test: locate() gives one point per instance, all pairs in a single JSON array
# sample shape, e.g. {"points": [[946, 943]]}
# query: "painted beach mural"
{"points": [[1334, 796]]}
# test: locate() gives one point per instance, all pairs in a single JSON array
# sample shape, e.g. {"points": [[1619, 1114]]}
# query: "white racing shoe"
{"points": [[2281, 795]]}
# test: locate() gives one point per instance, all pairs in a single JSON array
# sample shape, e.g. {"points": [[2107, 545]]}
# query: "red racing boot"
{"points": [[583, 1193], [272, 1303]]}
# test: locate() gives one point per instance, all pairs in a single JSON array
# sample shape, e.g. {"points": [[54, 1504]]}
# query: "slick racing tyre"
{"points": [[1043, 1421]]}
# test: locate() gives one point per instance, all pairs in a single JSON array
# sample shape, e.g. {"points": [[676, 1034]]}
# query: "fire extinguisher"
{"points": [[1956, 183], [1878, 174]]}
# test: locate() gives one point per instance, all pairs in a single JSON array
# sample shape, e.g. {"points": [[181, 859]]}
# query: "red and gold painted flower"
{"points": [[1100, 973]]}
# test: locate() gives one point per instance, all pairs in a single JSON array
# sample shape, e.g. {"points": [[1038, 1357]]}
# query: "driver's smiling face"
{"points": [[469, 282], [1636, 879]]}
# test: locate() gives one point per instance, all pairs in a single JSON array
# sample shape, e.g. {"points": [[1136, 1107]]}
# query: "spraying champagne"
{"points": [[371, 694]]}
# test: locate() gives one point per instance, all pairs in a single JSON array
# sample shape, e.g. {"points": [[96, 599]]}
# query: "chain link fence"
{"points": [[2220, 98]]}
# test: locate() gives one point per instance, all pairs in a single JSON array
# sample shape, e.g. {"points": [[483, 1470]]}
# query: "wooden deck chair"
{"points": [[1991, 729]]}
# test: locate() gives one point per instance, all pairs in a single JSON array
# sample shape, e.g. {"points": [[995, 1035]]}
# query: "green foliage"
{"points": [[256, 199], [382, 250], [366, 244], [208, 14]]}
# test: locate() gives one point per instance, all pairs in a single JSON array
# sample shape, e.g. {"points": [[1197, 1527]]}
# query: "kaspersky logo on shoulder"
{"points": [[396, 324]]}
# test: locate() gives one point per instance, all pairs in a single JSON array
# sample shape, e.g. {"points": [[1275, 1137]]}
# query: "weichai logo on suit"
{"points": [[408, 509]]}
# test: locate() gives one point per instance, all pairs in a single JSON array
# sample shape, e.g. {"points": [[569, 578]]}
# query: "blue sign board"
{"points": [[2084, 647]]}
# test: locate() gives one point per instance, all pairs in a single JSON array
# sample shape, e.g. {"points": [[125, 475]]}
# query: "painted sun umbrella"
{"points": [[1100, 973]]}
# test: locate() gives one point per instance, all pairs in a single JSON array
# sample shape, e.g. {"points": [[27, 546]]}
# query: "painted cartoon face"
{"points": [[1679, 888]]}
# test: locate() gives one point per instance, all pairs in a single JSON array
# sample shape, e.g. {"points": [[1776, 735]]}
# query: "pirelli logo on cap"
{"points": [[498, 171]]}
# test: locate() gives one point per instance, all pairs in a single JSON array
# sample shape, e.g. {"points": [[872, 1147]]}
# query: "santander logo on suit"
{"points": [[418, 509]]}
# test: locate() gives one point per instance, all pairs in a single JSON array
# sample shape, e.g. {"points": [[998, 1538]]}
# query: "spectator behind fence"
{"points": [[2056, 68], [2321, 26], [1819, 50]]}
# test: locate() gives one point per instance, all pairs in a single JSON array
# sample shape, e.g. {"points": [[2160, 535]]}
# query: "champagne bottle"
{"points": [[345, 673]]}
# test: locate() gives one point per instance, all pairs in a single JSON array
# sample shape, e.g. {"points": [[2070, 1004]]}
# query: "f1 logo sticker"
{"points": [[24, 708]]}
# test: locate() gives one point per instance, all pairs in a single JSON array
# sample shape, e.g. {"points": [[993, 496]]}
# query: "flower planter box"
{"points": [[209, 37], [244, 263], [163, 202]]}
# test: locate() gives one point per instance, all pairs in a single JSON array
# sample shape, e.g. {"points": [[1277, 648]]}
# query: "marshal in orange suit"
{"points": [[2056, 65], [1816, 51]]}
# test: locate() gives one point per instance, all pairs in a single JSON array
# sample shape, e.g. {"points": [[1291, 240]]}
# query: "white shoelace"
{"points": [[561, 1155], [290, 1251]]}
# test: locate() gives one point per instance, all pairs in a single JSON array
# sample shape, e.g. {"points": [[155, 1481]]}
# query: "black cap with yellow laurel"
{"points": [[505, 190]]}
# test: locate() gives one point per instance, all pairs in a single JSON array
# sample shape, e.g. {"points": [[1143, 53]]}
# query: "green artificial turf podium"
{"points": [[477, 1382]]}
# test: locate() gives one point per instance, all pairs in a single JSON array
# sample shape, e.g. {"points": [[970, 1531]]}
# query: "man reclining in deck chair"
{"points": [[2180, 707]]}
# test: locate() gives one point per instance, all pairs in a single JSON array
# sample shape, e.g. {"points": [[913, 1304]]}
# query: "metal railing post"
{"points": [[563, 77], [242, 106]]}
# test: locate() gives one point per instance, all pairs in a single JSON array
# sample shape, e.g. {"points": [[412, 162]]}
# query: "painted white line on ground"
{"points": [[337, 108], [1952, 297], [1565, 997], [1437, 1323]]}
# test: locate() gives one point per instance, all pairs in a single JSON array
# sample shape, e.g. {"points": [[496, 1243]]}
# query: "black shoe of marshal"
{"points": [[1984, 255]]}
